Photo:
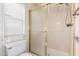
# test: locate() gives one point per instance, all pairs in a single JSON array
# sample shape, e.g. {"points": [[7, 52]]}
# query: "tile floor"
{"points": [[28, 54]]}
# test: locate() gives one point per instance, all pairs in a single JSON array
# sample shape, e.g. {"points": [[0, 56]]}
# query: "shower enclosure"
{"points": [[12, 29], [51, 30]]}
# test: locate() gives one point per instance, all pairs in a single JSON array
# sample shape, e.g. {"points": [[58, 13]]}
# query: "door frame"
{"points": [[72, 43]]}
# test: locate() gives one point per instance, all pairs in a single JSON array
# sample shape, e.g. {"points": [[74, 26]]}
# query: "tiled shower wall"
{"points": [[1, 30], [12, 28]]}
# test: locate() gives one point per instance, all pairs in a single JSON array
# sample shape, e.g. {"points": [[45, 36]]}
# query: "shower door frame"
{"points": [[30, 10], [72, 43]]}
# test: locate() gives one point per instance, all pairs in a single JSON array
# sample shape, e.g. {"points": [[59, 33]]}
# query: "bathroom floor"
{"points": [[28, 54]]}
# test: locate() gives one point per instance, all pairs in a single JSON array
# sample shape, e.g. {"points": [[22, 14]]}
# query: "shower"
{"points": [[52, 23]]}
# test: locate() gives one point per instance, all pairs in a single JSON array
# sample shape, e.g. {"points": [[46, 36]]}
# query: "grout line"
{"points": [[13, 17]]}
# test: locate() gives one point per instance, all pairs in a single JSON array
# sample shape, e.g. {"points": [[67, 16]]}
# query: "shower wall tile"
{"points": [[15, 10], [13, 26], [2, 52], [16, 48], [14, 38]]}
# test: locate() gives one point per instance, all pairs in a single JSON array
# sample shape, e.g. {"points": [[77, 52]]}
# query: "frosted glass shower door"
{"points": [[59, 36], [38, 30]]}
